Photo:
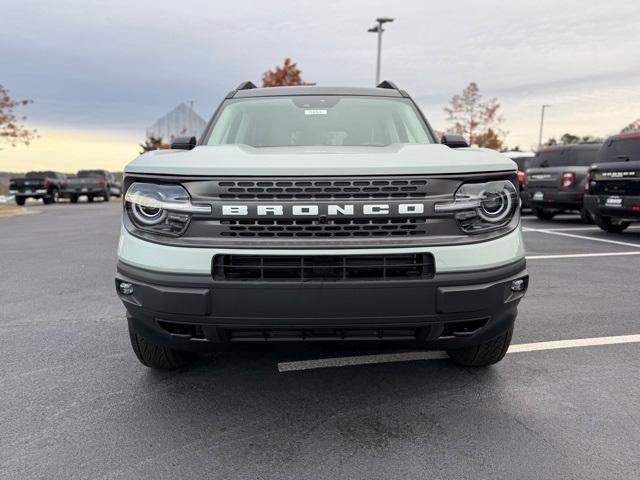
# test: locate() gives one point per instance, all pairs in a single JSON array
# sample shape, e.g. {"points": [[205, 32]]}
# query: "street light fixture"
{"points": [[378, 29], [541, 125]]}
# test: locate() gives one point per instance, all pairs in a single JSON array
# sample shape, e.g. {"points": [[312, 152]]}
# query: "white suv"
{"points": [[320, 214]]}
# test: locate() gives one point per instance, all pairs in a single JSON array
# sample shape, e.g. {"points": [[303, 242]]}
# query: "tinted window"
{"points": [[40, 175], [522, 162], [565, 157], [318, 120], [90, 173], [620, 149]]}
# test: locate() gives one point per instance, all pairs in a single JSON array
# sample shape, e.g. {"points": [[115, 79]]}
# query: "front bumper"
{"points": [[629, 208], [554, 199], [195, 312]]}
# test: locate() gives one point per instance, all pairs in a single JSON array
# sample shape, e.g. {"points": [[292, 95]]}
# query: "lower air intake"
{"points": [[303, 268]]}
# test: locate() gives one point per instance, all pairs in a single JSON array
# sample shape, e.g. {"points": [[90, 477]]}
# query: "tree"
{"points": [[632, 127], [153, 143], [287, 75], [11, 130], [570, 139], [475, 119]]}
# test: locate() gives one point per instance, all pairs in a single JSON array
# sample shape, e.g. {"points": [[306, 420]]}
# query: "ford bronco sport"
{"points": [[320, 214]]}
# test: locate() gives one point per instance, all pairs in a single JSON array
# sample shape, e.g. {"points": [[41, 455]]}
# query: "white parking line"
{"points": [[577, 229], [581, 255], [435, 355], [572, 235]]}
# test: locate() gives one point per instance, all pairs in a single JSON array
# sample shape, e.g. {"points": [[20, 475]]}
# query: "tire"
{"points": [[544, 214], [47, 200], [606, 224], [89, 198], [73, 198], [20, 201], [157, 356], [106, 196], [55, 196], [585, 216], [484, 354]]}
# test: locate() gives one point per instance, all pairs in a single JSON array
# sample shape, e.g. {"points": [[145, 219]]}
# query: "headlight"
{"points": [[480, 207], [163, 209]]}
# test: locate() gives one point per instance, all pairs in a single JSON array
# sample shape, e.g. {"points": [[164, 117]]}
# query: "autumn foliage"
{"points": [[11, 129], [475, 119], [286, 75]]}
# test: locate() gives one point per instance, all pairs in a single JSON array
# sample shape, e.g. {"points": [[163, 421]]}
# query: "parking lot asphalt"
{"points": [[75, 402]]}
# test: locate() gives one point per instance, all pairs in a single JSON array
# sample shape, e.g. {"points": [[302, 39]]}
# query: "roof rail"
{"points": [[246, 86], [387, 84]]}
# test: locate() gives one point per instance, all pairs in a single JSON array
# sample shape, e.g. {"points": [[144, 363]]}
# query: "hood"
{"points": [[233, 160]]}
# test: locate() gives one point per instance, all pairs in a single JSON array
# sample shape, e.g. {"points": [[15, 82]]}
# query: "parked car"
{"points": [[46, 185], [522, 159], [613, 196], [556, 178], [322, 215], [92, 183]]}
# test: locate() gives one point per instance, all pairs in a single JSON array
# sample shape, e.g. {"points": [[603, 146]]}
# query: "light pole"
{"points": [[378, 29], [541, 125]]}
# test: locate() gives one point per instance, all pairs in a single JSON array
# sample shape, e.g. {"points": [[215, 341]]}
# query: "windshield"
{"points": [[318, 120], [565, 157], [620, 149]]}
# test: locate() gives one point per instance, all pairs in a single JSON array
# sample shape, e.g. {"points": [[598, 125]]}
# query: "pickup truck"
{"points": [[613, 198], [46, 185], [92, 183], [556, 178], [319, 214]]}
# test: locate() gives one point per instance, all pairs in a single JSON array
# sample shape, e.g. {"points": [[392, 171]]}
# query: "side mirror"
{"points": [[183, 143], [454, 141]]}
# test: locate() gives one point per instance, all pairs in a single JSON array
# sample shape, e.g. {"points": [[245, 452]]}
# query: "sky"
{"points": [[100, 72]]}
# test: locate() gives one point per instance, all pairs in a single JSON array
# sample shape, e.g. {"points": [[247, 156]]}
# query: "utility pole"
{"points": [[378, 29], [541, 125]]}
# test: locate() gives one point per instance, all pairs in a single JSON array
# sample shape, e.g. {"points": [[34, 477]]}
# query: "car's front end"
{"points": [[233, 243]]}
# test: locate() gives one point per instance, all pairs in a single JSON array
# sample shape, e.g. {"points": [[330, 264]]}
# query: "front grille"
{"points": [[303, 268], [362, 227], [322, 189]]}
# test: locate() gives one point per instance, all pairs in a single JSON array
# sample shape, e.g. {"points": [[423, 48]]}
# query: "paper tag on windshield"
{"points": [[315, 112]]}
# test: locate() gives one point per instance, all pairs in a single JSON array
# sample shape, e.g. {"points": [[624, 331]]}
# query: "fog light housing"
{"points": [[125, 288], [518, 285]]}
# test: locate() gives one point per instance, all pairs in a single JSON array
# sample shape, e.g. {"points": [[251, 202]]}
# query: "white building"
{"points": [[182, 121]]}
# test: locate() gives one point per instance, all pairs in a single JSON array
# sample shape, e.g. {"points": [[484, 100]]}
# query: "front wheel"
{"points": [[544, 214], [483, 354], [608, 225], [157, 356]]}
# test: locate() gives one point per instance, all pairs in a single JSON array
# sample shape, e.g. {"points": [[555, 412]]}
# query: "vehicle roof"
{"points": [[572, 146], [315, 90], [519, 154], [625, 136]]}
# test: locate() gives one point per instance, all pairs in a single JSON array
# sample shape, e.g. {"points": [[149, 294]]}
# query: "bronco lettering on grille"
{"points": [[324, 209]]}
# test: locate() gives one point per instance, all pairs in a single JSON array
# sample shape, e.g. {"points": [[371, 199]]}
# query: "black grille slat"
{"points": [[332, 227], [303, 268], [325, 189]]}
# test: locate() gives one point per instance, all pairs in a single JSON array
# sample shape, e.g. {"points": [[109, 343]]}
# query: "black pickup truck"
{"points": [[92, 183], [46, 185], [556, 178], [613, 198]]}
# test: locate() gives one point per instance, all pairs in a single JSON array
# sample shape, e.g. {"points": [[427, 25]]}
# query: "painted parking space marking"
{"points": [[583, 237], [581, 255], [437, 355], [577, 229]]}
